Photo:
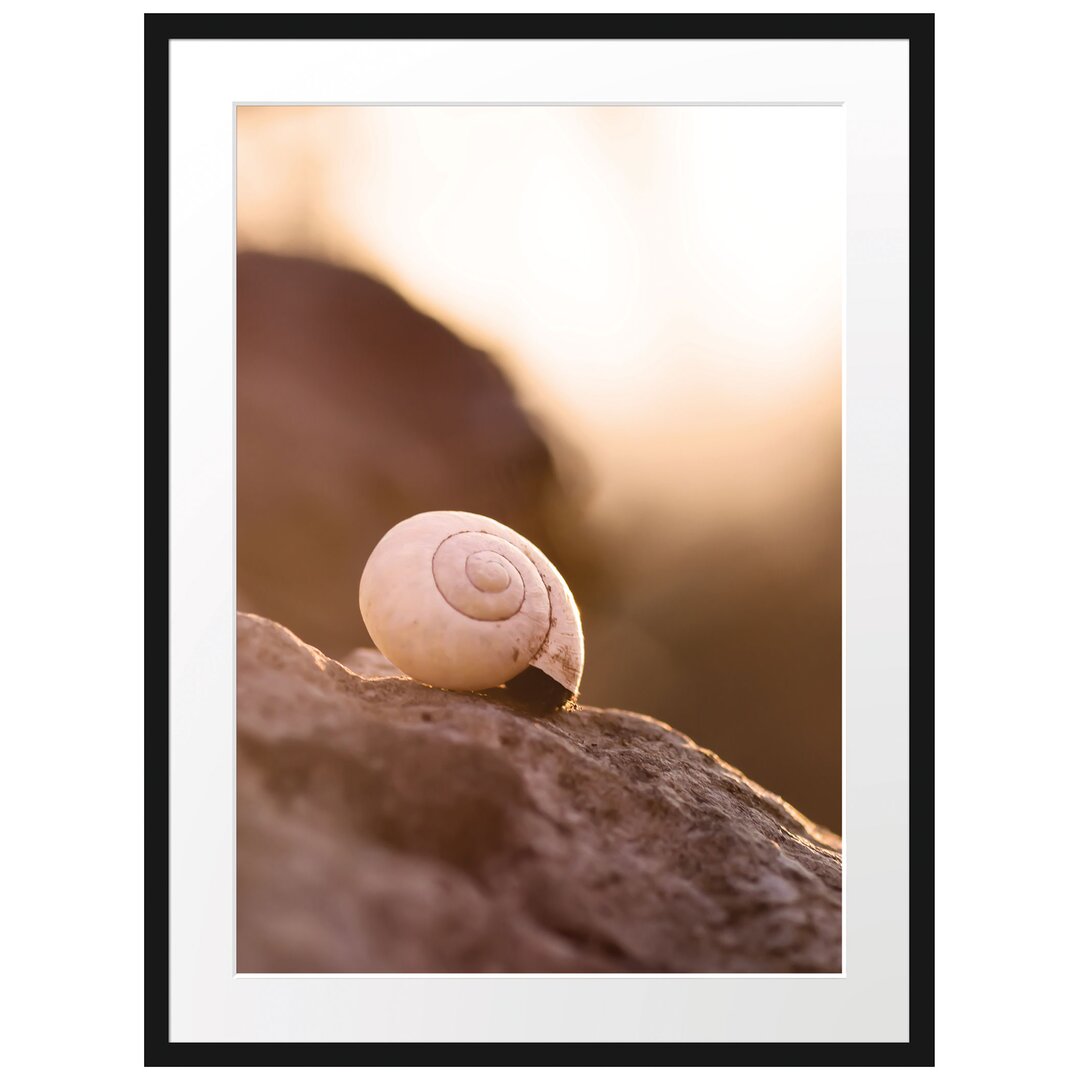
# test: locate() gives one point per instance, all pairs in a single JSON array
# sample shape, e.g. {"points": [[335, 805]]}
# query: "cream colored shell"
{"points": [[459, 601]]}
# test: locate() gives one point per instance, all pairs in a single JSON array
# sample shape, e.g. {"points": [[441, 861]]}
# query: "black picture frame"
{"points": [[918, 30]]}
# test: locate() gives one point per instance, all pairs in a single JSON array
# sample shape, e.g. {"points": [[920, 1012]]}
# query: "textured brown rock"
{"points": [[387, 826]]}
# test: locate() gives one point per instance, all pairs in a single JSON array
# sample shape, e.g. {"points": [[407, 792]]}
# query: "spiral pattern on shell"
{"points": [[460, 601]]}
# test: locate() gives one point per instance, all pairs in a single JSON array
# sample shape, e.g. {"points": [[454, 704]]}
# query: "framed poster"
{"points": [[541, 536]]}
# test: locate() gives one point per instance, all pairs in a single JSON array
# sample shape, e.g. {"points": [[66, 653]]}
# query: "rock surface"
{"points": [[385, 826]]}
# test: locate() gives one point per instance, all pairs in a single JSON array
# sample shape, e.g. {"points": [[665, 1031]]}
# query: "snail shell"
{"points": [[459, 601]]}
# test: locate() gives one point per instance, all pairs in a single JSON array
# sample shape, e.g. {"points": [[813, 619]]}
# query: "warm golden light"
{"points": [[666, 280]]}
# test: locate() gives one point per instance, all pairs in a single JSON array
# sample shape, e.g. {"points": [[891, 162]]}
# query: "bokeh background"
{"points": [[616, 329]]}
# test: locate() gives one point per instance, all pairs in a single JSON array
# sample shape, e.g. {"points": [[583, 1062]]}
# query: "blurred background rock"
{"points": [[615, 329]]}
